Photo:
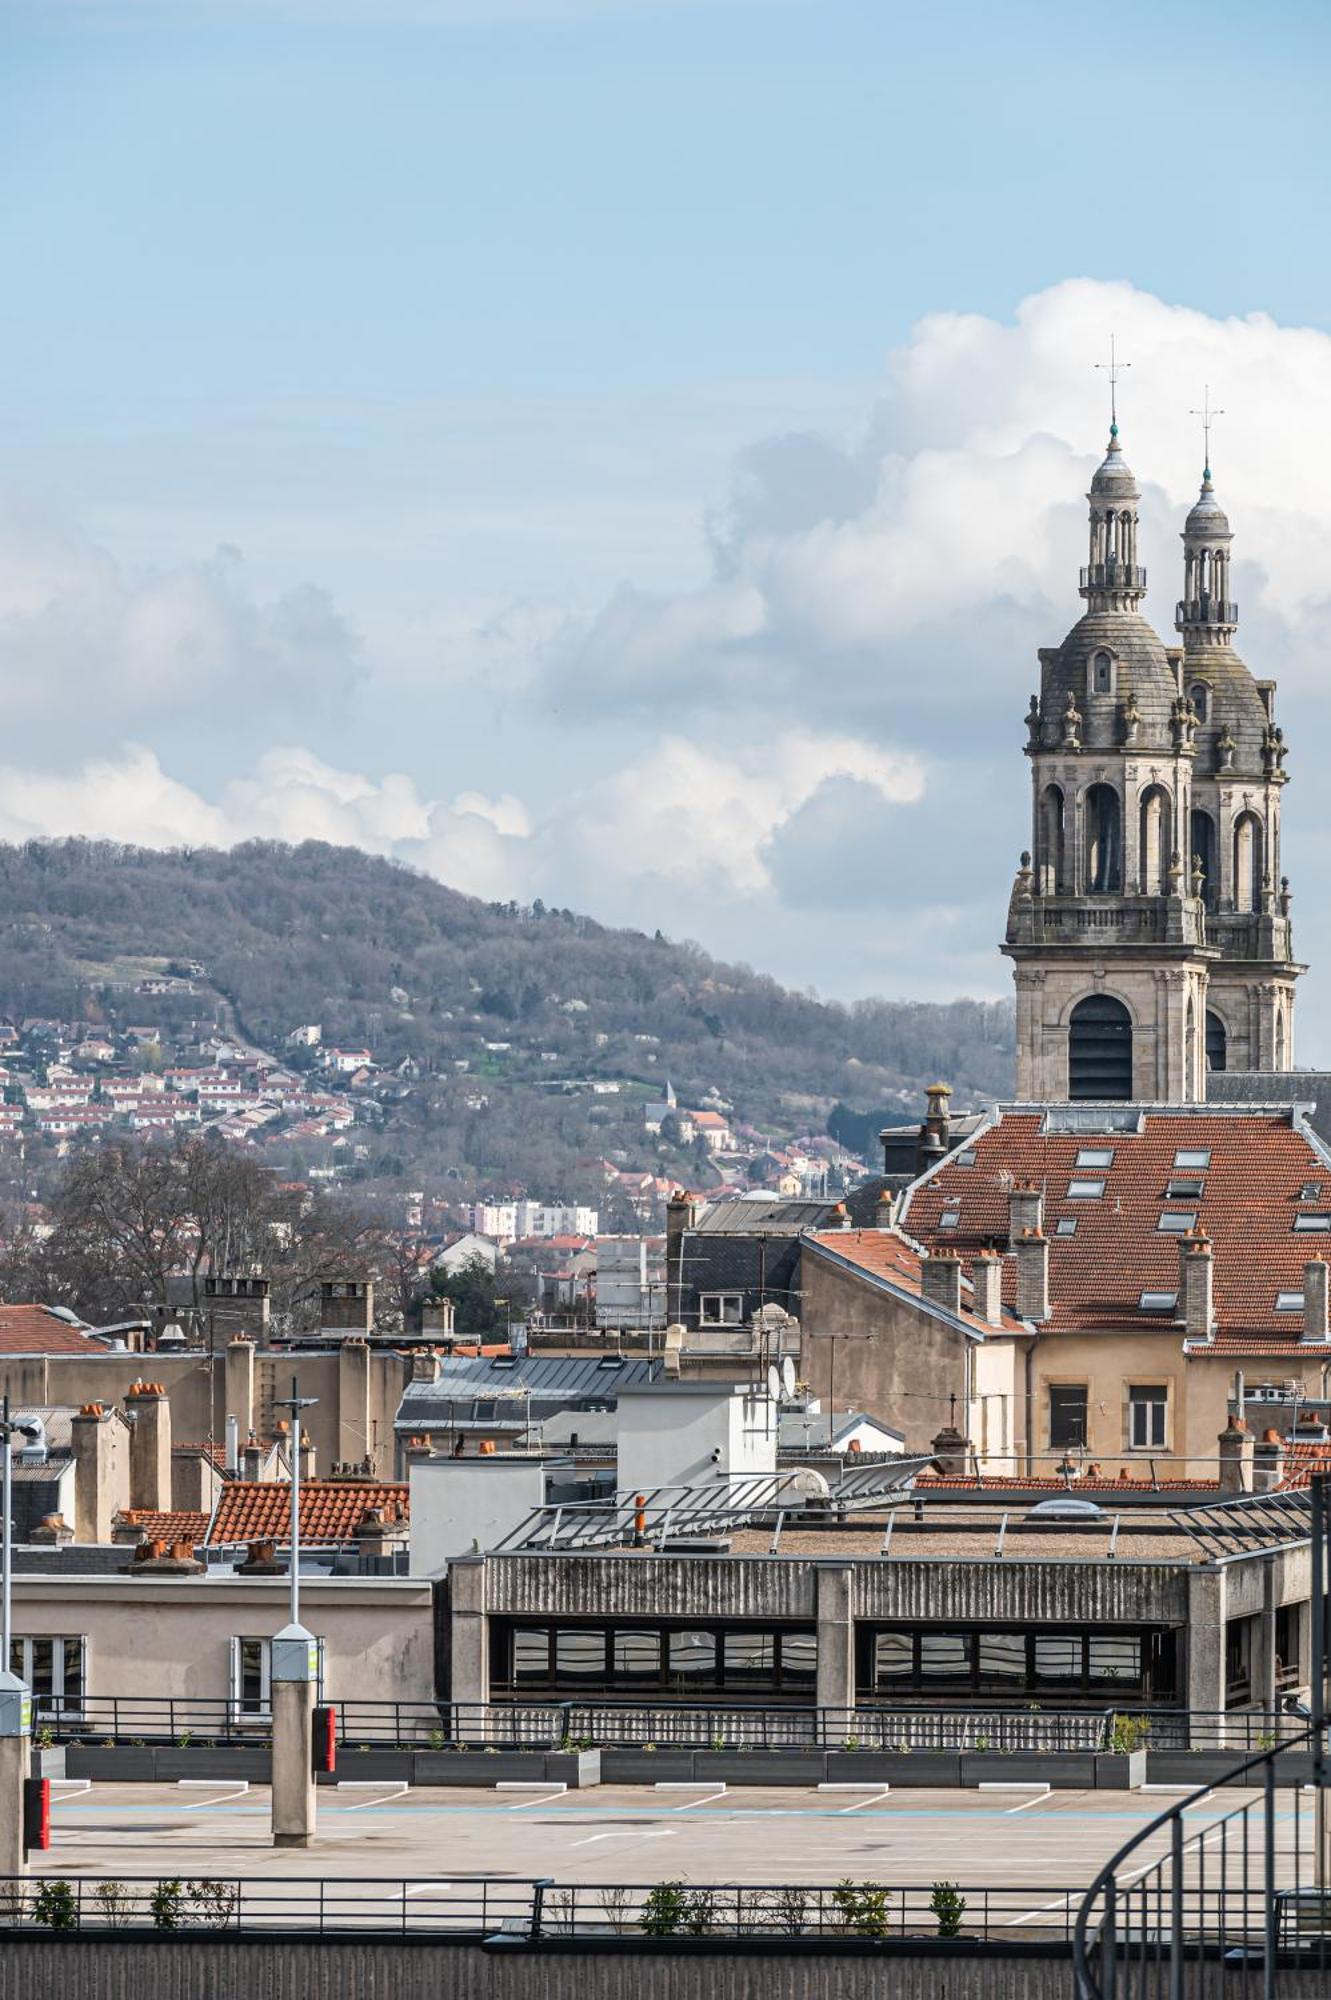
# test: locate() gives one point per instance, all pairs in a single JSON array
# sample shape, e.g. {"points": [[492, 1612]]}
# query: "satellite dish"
{"points": [[788, 1376], [774, 1383]]}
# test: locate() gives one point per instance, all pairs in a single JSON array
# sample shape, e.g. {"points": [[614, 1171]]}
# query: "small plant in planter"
{"points": [[185, 1738], [214, 1902], [664, 1911], [790, 1907], [718, 1742], [862, 1908], [982, 1744], [166, 1905], [1128, 1733], [851, 1743], [56, 1906], [948, 1907], [44, 1738], [700, 1912], [436, 1739], [116, 1904]]}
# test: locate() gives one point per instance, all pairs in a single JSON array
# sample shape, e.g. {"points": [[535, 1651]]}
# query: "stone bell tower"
{"points": [[1147, 940]]}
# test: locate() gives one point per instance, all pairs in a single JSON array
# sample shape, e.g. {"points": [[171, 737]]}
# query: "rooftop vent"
{"points": [[1066, 1508]]}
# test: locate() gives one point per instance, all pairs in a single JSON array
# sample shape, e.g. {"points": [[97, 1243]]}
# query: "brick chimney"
{"points": [[95, 1499], [346, 1306], [1025, 1208], [52, 1531], [940, 1279], [1195, 1289], [1032, 1275], [884, 1210], [987, 1280], [377, 1535], [424, 1365], [236, 1306], [838, 1218], [251, 1460], [1315, 1327], [1268, 1462], [1236, 1448], [149, 1407]]}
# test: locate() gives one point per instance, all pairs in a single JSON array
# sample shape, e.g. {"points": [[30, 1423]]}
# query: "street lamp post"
{"points": [[293, 1677], [10, 1428]]}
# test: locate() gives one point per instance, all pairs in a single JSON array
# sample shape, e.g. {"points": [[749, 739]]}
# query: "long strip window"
{"points": [[1101, 1663], [689, 1662]]}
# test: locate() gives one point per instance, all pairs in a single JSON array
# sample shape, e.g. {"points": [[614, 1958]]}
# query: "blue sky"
{"points": [[482, 431]]}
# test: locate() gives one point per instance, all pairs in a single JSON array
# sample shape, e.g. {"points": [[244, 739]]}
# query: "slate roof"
{"points": [[259, 1510], [1297, 1086], [1260, 1162], [761, 1215], [553, 1381], [886, 1256]]}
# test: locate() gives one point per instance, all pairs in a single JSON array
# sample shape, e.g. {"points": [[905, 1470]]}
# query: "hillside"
{"points": [[491, 1026]]}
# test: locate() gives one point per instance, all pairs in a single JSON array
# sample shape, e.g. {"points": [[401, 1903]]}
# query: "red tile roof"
{"points": [[253, 1510], [177, 1525], [968, 1483], [37, 1330], [1303, 1459], [1260, 1161], [882, 1253]]}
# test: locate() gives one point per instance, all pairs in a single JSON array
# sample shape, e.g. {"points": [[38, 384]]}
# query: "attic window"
{"points": [[1177, 1221], [949, 1218], [1184, 1190], [966, 1159], [1311, 1191], [504, 1361], [610, 1361], [1289, 1302], [1087, 1190], [721, 1309], [1157, 1302], [1193, 1156], [1066, 1225], [1306, 1222], [1095, 1156]]}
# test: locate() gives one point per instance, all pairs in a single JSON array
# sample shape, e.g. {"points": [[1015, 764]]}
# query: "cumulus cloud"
{"points": [[102, 649]]}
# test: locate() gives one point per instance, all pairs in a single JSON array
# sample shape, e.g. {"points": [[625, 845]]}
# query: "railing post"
{"points": [[538, 1889], [1269, 1930], [1108, 1942], [1176, 1907]]}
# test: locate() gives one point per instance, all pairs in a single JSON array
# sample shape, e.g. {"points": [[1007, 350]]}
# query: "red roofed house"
{"points": [[1155, 1252], [331, 1510]]}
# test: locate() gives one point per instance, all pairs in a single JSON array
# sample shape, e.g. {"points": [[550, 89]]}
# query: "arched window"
{"points": [[1190, 1045], [1099, 1048], [1104, 841], [1200, 697], [1247, 862], [1203, 851], [1154, 843], [1049, 850], [1102, 674], [1217, 1041]]}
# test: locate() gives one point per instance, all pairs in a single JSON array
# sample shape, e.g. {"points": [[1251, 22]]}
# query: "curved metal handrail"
{"points": [[1087, 1988]]}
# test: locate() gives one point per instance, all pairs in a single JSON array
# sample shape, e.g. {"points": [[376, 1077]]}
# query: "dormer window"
{"points": [[1199, 694], [1102, 673]]}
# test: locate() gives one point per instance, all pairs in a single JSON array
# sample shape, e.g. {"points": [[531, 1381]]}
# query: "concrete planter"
{"points": [[1070, 1769], [1120, 1771], [646, 1767], [110, 1763], [394, 1767], [894, 1767], [49, 1763], [574, 1768], [761, 1767], [1212, 1767], [251, 1762]]}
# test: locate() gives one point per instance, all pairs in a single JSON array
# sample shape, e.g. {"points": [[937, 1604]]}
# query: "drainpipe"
{"points": [[1030, 1408]]}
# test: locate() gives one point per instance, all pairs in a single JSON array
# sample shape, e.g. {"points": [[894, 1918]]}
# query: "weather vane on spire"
{"points": [[1208, 417], [1114, 367]]}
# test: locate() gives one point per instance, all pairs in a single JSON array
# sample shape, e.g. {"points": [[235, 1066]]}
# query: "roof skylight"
{"points": [[1193, 1156], [1177, 1221], [1095, 1156], [1085, 1190], [1157, 1302], [1289, 1302]]}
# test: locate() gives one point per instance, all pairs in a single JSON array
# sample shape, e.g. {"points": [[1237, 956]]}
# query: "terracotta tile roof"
{"points": [[252, 1510], [953, 1482], [177, 1525], [37, 1330], [1302, 1460], [1251, 1193], [882, 1253]]}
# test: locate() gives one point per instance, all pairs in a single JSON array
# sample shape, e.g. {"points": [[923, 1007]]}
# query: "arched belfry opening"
{"points": [[1052, 872], [1099, 1048], [1153, 840], [1247, 862], [1104, 841], [1217, 1041], [1203, 855]]}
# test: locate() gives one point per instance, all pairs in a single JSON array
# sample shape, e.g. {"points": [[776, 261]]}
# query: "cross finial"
{"points": [[1208, 417], [1113, 367]]}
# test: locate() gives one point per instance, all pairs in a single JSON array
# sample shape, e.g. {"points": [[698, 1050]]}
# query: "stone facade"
{"points": [[1149, 923]]}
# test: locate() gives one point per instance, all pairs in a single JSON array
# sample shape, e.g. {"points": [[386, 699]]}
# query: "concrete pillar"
{"points": [[1264, 1644], [94, 1495], [240, 1385], [469, 1648], [835, 1624], [294, 1680], [149, 1447], [353, 1402], [15, 1745], [1205, 1654]]}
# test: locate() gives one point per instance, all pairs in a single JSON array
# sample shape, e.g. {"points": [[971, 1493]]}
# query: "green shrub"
{"points": [[214, 1902], [166, 1905], [665, 1910], [700, 1912], [862, 1908], [116, 1904], [56, 1906], [948, 1907], [1128, 1733]]}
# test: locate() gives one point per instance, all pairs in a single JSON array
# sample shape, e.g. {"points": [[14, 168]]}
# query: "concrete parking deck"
{"points": [[1053, 1841]]}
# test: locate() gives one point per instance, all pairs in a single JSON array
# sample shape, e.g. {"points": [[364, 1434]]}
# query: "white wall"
{"points": [[669, 1432], [458, 1504]]}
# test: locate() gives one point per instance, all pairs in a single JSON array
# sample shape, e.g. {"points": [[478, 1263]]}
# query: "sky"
{"points": [[628, 452]]}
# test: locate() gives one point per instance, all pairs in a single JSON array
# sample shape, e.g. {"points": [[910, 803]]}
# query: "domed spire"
{"points": [[1112, 579], [1206, 614]]}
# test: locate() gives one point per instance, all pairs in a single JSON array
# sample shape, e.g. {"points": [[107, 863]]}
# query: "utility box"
{"points": [[15, 1706], [36, 1814], [295, 1655]]}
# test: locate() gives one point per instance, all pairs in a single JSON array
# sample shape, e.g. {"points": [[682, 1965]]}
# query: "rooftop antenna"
{"points": [[1113, 368], [1208, 417]]}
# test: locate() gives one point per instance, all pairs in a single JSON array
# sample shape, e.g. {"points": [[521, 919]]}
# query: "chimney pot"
{"points": [[1025, 1208], [940, 1280]]}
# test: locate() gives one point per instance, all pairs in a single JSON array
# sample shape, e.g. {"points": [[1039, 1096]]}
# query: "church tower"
{"points": [[1145, 935]]}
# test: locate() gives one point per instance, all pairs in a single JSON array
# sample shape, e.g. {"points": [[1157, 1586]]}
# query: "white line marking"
{"points": [[1025, 1805], [73, 1788], [513, 1785], [1059, 1902], [860, 1804], [643, 1833], [706, 1786], [854, 1788], [224, 1798], [1042, 1790], [390, 1793], [237, 1785], [698, 1802]]}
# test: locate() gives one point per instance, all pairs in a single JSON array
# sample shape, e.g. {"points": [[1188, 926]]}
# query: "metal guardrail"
{"points": [[190, 1720], [535, 1910]]}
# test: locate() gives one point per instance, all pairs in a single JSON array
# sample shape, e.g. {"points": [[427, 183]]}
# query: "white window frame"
{"points": [[1153, 1397], [55, 1703], [714, 1309], [235, 1678], [1087, 1188], [1192, 1159], [1099, 1157], [1176, 1221]]}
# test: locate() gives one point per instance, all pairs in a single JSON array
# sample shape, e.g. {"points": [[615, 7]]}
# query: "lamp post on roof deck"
{"points": [[15, 1699], [293, 1678]]}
